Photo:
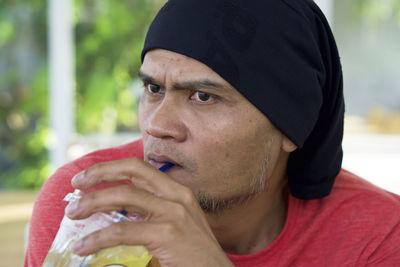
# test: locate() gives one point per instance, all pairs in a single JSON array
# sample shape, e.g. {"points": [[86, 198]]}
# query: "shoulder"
{"points": [[368, 205], [357, 215], [374, 212], [356, 195], [360, 200], [351, 186]]}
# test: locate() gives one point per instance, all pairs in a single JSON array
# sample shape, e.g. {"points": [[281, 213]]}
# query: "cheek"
{"points": [[226, 147], [234, 148]]}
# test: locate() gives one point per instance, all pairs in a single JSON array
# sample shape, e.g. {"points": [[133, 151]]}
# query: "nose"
{"points": [[165, 121]]}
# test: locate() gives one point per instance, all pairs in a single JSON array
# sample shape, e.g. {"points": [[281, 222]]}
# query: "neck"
{"points": [[253, 225]]}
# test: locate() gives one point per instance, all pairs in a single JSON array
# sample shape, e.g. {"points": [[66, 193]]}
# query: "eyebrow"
{"points": [[190, 84]]}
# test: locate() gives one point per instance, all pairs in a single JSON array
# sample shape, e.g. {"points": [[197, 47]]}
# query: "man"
{"points": [[245, 99]]}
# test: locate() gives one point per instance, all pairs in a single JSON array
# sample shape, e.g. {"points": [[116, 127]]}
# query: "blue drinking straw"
{"points": [[166, 166]]}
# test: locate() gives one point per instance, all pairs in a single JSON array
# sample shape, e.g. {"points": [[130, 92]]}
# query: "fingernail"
{"points": [[77, 246], [71, 208], [79, 177]]}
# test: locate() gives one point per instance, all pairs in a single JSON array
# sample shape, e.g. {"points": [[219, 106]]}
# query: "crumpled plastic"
{"points": [[60, 254]]}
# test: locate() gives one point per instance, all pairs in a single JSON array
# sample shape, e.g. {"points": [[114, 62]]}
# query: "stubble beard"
{"points": [[258, 183]]}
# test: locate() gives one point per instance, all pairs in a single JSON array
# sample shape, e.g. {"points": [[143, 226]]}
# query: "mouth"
{"points": [[158, 161]]}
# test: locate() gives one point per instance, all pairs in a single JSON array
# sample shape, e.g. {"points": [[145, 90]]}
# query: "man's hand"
{"points": [[175, 229]]}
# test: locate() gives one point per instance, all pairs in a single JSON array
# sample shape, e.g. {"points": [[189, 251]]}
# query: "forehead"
{"points": [[160, 63]]}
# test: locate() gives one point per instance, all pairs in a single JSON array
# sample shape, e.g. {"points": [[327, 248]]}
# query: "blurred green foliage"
{"points": [[376, 12], [23, 94], [108, 37]]}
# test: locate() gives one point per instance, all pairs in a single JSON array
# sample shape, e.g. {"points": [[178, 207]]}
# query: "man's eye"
{"points": [[202, 96], [153, 88]]}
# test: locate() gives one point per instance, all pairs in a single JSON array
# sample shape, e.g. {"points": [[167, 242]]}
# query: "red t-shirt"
{"points": [[356, 225]]}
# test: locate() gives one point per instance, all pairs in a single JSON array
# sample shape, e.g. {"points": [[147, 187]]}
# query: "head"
{"points": [[224, 148], [278, 55]]}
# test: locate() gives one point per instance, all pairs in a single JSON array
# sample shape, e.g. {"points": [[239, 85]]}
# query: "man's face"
{"points": [[223, 148]]}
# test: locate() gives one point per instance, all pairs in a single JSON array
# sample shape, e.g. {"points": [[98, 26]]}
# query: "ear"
{"points": [[287, 145]]}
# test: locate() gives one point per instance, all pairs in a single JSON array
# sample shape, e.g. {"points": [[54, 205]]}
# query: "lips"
{"points": [[159, 160]]}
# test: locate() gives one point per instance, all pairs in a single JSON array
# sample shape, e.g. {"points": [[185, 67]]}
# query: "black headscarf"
{"points": [[281, 55]]}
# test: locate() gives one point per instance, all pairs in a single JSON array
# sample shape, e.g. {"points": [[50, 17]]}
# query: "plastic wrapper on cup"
{"points": [[60, 253]]}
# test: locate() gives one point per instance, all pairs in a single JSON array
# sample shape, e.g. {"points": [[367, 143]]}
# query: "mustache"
{"points": [[168, 149]]}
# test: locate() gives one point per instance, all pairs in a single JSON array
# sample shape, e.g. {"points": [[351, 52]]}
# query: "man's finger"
{"points": [[126, 197], [113, 171], [122, 233], [141, 173]]}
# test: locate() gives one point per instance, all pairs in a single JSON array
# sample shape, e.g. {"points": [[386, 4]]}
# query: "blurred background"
{"points": [[68, 86]]}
